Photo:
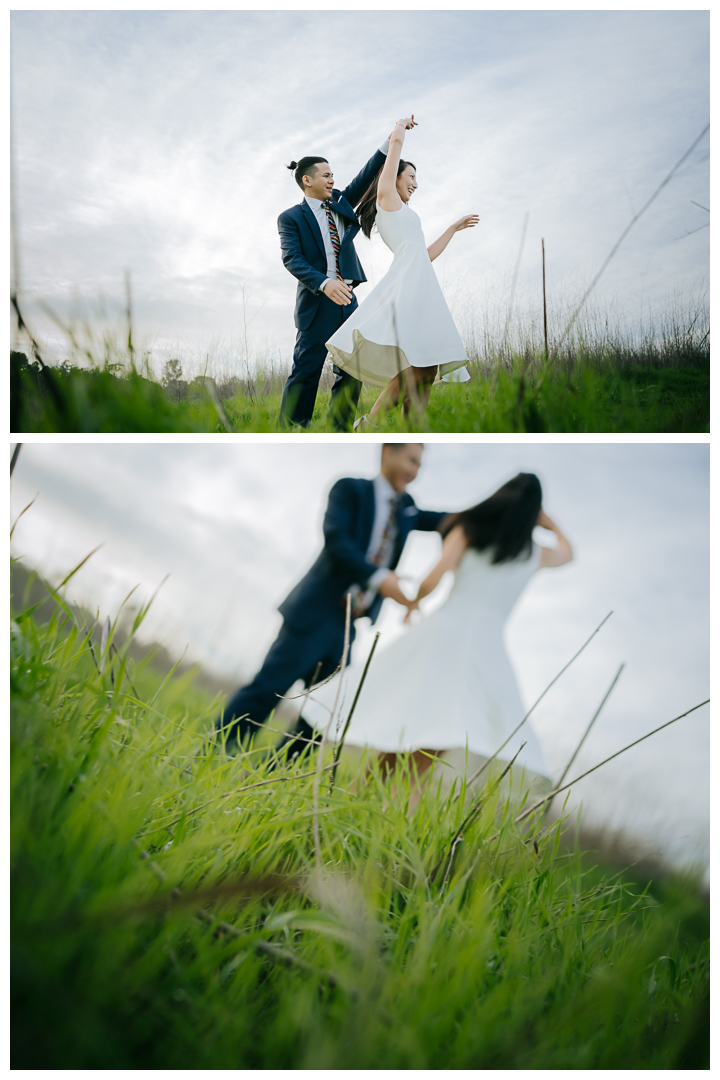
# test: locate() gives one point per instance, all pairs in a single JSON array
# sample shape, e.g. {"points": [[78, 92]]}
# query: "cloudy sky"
{"points": [[236, 525], [154, 142]]}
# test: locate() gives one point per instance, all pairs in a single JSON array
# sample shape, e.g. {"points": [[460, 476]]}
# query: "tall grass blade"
{"points": [[321, 750], [516, 273], [527, 715], [103, 643], [79, 566], [625, 232], [338, 748], [23, 511], [588, 729], [15, 456], [612, 756]]}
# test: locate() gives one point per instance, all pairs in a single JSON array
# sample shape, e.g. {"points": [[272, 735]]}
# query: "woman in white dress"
{"points": [[402, 335], [447, 683]]}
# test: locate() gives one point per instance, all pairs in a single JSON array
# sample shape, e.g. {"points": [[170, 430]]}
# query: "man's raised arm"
{"points": [[359, 185]]}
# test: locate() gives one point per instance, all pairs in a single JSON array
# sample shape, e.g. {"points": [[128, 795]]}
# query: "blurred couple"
{"points": [[402, 336], [447, 683]]}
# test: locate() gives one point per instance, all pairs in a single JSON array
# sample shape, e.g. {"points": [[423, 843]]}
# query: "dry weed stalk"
{"points": [[599, 709], [552, 794], [321, 750], [227, 795], [624, 233], [338, 748], [489, 761]]}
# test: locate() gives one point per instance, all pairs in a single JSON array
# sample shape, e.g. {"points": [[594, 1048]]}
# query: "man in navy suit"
{"points": [[316, 237], [366, 525]]}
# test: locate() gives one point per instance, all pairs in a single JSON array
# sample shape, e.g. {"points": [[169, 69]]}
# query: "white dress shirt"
{"points": [[316, 205]]}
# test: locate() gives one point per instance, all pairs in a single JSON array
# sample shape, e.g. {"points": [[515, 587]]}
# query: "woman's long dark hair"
{"points": [[366, 209], [505, 521]]}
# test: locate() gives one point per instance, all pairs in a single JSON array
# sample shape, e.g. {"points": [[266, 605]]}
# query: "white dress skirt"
{"points": [[447, 683], [405, 320]]}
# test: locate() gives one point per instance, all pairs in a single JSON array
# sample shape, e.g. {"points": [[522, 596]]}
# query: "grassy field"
{"points": [[665, 391], [175, 908]]}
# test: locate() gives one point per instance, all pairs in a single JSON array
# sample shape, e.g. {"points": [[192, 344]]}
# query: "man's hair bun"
{"points": [[306, 166]]}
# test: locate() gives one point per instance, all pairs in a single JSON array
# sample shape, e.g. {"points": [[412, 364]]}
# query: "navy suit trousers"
{"points": [[298, 400], [293, 655]]}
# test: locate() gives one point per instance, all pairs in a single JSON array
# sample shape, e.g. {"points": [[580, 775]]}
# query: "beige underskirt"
{"points": [[376, 364]]}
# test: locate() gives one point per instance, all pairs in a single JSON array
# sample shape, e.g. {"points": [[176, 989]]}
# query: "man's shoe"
{"points": [[228, 736], [302, 737]]}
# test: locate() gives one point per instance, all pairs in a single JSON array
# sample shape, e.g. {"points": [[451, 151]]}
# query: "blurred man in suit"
{"points": [[367, 523]]}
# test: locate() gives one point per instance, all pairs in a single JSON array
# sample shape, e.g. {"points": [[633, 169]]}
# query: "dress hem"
{"points": [[389, 361]]}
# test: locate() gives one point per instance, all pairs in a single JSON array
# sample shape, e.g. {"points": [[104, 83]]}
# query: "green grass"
{"points": [[593, 394], [167, 915]]}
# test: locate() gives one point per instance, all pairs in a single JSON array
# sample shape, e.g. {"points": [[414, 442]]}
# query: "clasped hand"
{"points": [[411, 605], [338, 292], [407, 122], [389, 587]]}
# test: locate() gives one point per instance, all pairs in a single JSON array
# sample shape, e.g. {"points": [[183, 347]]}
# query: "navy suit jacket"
{"points": [[303, 248], [348, 528]]}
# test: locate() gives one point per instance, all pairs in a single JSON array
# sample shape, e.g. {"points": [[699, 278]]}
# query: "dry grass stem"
{"points": [[535, 806], [321, 750], [13, 460], [588, 729], [228, 795], [624, 233], [485, 764], [338, 749]]}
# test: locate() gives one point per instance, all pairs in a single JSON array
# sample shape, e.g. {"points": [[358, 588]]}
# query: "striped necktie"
{"points": [[334, 237], [361, 599]]}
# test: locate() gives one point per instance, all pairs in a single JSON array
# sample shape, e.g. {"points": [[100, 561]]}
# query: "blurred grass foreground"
{"points": [[176, 908]]}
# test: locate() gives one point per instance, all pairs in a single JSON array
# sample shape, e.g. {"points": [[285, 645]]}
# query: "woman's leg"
{"points": [[423, 378], [419, 761], [387, 763], [412, 386], [423, 759], [390, 396]]}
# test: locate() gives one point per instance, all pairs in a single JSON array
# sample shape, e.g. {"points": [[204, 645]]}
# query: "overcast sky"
{"points": [[236, 525], [154, 142]]}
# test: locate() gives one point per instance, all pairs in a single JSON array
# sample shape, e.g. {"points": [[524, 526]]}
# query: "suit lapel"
{"points": [[314, 227], [369, 514], [343, 207], [404, 523]]}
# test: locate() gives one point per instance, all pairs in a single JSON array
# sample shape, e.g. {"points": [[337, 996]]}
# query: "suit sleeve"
{"points": [[292, 254], [429, 520], [342, 550], [357, 187]]}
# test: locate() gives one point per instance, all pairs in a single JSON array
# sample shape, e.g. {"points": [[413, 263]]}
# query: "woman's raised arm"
{"points": [[388, 198], [453, 548], [562, 552], [468, 221]]}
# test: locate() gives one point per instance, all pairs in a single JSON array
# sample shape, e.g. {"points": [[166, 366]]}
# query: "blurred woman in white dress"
{"points": [[447, 683], [402, 336]]}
